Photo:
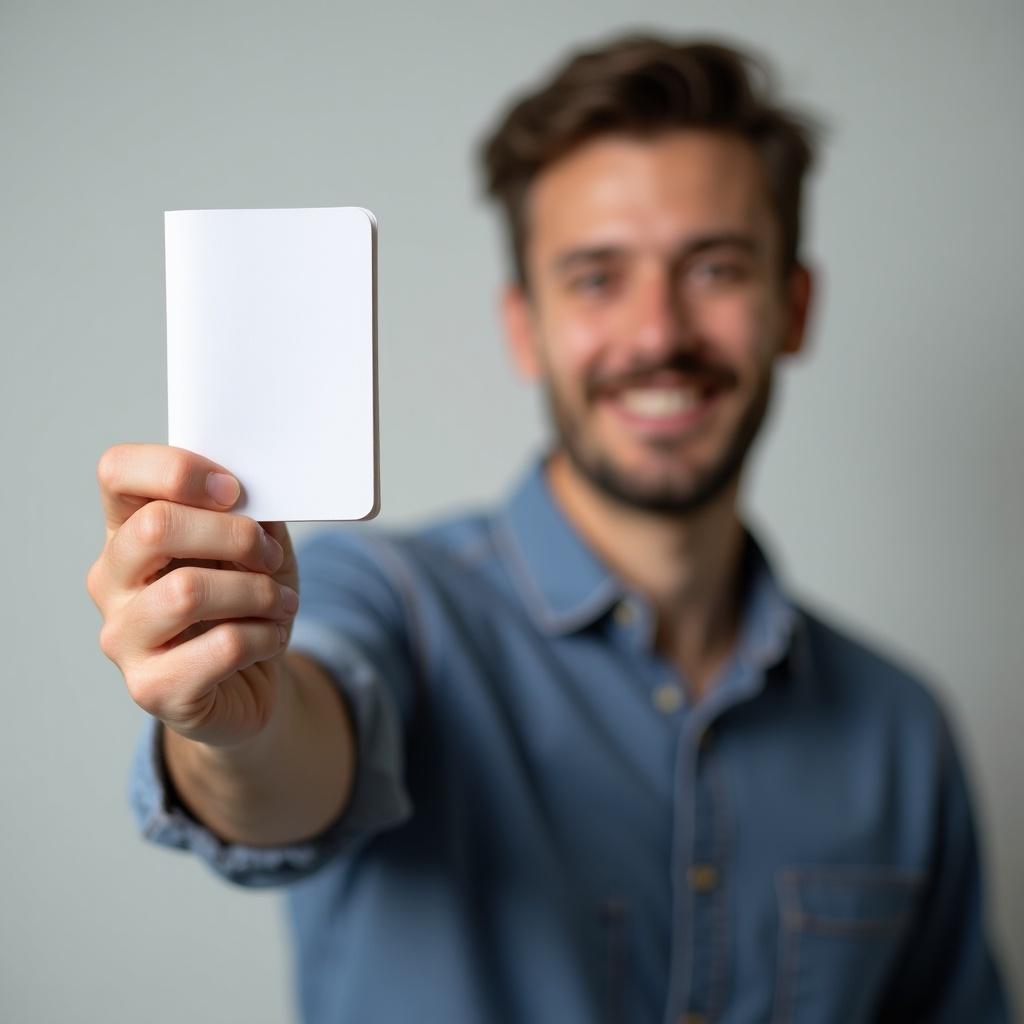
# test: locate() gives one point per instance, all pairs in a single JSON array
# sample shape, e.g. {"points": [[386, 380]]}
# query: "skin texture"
{"points": [[658, 260]]}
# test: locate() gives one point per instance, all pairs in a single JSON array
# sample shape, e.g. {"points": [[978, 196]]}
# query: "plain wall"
{"points": [[889, 478]]}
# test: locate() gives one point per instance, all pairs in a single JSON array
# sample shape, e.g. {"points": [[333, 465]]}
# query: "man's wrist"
{"points": [[213, 782]]}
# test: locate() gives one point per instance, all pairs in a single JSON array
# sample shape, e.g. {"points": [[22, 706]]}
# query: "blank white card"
{"points": [[272, 355]]}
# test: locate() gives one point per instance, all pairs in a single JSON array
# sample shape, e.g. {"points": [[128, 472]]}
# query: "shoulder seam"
{"points": [[402, 581]]}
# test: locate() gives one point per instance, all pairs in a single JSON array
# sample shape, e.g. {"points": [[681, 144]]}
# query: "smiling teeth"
{"points": [[659, 401]]}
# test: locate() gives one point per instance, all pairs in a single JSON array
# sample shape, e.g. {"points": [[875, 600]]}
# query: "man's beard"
{"points": [[668, 497]]}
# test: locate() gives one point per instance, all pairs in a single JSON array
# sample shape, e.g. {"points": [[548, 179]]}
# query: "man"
{"points": [[590, 763]]}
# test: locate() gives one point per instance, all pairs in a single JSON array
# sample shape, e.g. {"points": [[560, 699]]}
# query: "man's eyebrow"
{"points": [[723, 239], [589, 254]]}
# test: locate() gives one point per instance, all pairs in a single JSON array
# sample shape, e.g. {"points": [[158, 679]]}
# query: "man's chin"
{"points": [[660, 492]]}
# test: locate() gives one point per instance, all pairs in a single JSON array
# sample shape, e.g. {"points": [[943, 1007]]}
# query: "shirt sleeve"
{"points": [[353, 620], [949, 972]]}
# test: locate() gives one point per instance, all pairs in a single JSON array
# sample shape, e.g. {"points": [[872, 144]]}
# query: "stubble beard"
{"points": [[669, 498]]}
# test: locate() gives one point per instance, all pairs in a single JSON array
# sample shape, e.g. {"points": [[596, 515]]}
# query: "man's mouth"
{"points": [[658, 401], [662, 408]]}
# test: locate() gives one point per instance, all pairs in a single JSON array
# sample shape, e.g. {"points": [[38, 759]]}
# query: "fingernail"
{"points": [[289, 599], [273, 553], [222, 488]]}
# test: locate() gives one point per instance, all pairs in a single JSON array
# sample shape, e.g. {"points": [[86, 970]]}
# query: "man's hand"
{"points": [[197, 602]]}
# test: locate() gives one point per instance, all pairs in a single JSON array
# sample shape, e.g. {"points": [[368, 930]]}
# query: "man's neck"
{"points": [[688, 567]]}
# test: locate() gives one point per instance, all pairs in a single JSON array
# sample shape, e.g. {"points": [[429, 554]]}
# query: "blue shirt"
{"points": [[546, 828]]}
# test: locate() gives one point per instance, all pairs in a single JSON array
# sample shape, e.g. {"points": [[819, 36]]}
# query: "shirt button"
{"points": [[668, 698], [703, 877]]}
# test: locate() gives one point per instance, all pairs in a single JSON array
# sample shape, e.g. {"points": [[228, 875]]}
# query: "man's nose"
{"points": [[663, 323]]}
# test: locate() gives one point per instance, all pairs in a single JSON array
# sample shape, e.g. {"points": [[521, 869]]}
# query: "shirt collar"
{"points": [[563, 582], [566, 586], [770, 619]]}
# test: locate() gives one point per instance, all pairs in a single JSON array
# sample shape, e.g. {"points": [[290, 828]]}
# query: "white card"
{"points": [[272, 355]]}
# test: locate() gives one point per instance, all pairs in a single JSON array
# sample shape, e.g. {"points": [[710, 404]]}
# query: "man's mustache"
{"points": [[689, 371]]}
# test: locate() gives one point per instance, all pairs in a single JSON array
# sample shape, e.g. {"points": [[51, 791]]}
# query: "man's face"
{"points": [[656, 310]]}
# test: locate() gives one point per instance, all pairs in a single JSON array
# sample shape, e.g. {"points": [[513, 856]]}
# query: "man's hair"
{"points": [[640, 86]]}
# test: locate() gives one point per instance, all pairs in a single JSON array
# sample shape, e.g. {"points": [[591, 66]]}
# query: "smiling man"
{"points": [[578, 758], [654, 300]]}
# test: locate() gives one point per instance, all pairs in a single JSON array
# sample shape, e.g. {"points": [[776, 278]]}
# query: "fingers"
{"points": [[189, 595], [183, 636], [279, 531], [162, 530], [130, 475], [173, 684]]}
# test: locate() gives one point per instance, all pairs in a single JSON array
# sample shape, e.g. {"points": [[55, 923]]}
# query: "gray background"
{"points": [[889, 480]]}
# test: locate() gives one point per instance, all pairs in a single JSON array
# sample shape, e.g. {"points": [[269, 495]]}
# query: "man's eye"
{"points": [[595, 281], [719, 272]]}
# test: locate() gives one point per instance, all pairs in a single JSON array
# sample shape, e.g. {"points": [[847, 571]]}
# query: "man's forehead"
{"points": [[618, 189]]}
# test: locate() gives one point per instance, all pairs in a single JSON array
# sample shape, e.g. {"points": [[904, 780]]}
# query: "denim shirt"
{"points": [[545, 827]]}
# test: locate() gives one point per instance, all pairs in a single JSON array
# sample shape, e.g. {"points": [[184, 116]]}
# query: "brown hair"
{"points": [[640, 85]]}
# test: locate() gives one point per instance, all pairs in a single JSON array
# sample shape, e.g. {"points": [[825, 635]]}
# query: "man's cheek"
{"points": [[581, 360], [573, 336], [728, 323]]}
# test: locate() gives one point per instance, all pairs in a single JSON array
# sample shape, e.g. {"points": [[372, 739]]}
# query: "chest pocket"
{"points": [[841, 929]]}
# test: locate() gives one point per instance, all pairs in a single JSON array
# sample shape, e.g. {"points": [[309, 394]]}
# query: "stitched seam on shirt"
{"points": [[881, 927], [613, 913], [720, 944], [402, 580], [690, 794], [475, 550], [531, 593], [551, 620], [581, 615], [675, 925], [788, 939], [861, 874]]}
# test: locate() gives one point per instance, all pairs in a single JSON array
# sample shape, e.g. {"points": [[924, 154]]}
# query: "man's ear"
{"points": [[800, 290], [520, 333]]}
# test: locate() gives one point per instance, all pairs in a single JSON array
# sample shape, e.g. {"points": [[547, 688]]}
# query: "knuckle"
{"points": [[186, 591], [230, 643], [247, 536], [178, 474], [108, 640], [108, 468], [268, 593], [153, 523], [145, 690], [92, 581]]}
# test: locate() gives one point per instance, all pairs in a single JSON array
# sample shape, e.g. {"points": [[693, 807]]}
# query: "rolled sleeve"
{"points": [[352, 621]]}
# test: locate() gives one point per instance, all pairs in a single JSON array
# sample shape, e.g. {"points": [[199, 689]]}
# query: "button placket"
{"points": [[708, 967]]}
